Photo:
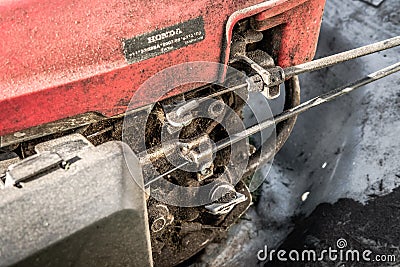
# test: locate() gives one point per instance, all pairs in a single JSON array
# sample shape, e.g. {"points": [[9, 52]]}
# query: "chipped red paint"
{"points": [[63, 58]]}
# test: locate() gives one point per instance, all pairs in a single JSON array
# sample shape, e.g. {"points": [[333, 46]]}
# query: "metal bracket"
{"points": [[220, 208], [201, 153], [182, 115], [271, 77]]}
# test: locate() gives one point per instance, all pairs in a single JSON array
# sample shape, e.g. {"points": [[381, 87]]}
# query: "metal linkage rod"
{"points": [[295, 111], [341, 57], [308, 105]]}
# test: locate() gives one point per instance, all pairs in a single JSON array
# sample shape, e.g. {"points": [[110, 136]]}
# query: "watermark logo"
{"points": [[341, 243], [340, 253]]}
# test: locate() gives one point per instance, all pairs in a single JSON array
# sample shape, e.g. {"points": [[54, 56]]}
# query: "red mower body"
{"points": [[63, 58]]}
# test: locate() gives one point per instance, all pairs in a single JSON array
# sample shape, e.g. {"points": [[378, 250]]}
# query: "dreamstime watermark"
{"points": [[337, 254]]}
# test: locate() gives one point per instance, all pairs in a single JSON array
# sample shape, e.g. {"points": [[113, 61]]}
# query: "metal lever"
{"points": [[276, 75]]}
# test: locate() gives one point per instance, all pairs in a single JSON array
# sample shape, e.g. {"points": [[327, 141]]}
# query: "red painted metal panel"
{"points": [[301, 21], [63, 58]]}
